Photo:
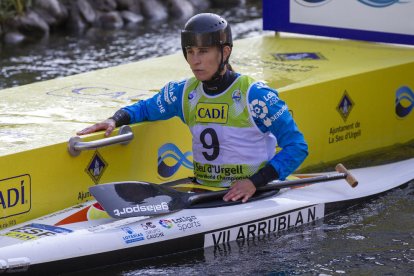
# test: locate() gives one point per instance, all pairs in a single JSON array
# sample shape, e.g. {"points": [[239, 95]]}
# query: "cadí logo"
{"points": [[404, 101], [171, 151]]}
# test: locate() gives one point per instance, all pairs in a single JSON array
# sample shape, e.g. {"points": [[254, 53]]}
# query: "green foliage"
{"points": [[10, 8]]}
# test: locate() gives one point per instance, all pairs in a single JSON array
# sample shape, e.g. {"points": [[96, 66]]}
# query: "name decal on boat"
{"points": [[163, 206], [15, 196], [270, 225]]}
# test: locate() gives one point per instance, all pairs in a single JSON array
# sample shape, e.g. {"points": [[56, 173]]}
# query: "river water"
{"points": [[69, 54], [376, 238]]}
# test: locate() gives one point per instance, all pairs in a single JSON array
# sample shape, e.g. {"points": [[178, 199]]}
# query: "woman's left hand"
{"points": [[240, 189]]}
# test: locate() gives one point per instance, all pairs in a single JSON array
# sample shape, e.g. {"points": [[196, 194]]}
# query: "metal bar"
{"points": [[76, 146]]}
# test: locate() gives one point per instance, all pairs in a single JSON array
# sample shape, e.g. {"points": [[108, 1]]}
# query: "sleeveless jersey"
{"points": [[227, 144]]}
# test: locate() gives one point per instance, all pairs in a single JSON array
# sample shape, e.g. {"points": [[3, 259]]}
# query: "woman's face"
{"points": [[204, 61]]}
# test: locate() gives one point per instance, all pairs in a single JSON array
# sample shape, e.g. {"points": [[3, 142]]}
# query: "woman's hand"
{"points": [[240, 189], [108, 125]]}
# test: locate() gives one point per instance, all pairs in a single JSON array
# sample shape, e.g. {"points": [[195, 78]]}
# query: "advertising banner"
{"points": [[372, 20]]}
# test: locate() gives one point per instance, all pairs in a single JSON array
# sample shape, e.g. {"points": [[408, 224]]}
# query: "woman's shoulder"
{"points": [[261, 89], [175, 84]]}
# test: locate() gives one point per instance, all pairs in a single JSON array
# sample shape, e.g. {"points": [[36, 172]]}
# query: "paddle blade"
{"points": [[133, 199]]}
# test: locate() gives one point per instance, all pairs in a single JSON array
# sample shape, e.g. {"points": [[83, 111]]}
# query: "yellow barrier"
{"points": [[347, 97]]}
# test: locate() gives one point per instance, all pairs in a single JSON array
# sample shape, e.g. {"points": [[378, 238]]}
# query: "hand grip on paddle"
{"points": [[349, 177]]}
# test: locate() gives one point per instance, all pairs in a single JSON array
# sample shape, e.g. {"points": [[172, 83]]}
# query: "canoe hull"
{"points": [[83, 237]]}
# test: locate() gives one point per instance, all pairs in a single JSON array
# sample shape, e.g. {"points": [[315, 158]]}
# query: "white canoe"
{"points": [[84, 236]]}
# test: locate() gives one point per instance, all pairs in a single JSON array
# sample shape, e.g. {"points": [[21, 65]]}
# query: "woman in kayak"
{"points": [[235, 121]]}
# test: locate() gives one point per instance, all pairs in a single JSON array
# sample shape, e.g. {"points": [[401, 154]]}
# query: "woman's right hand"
{"points": [[108, 125]]}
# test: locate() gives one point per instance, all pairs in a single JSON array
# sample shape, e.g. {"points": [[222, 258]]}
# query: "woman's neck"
{"points": [[219, 84]]}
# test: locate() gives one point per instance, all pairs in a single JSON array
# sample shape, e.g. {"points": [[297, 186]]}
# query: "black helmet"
{"points": [[206, 29]]}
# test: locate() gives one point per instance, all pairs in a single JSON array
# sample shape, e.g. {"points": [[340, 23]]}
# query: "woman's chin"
{"points": [[201, 76]]}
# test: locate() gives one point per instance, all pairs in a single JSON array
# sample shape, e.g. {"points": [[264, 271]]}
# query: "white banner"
{"points": [[389, 16]]}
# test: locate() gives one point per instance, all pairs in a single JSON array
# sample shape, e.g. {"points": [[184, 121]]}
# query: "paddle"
{"points": [[132, 199]]}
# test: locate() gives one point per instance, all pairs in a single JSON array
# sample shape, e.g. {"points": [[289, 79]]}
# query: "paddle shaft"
{"points": [[283, 184], [130, 199]]}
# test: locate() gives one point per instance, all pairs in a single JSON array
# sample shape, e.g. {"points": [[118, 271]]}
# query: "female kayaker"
{"points": [[235, 121]]}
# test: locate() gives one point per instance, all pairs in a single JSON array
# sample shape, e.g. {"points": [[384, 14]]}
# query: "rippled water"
{"points": [[375, 239], [68, 54]]}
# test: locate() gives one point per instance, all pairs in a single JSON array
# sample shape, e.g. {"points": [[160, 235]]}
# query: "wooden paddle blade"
{"points": [[133, 199], [349, 177]]}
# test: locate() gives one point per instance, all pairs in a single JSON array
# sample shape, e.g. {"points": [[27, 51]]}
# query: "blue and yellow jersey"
{"points": [[235, 132]]}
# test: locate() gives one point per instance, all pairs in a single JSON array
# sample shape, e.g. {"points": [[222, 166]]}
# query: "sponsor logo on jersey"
{"points": [[169, 96], [279, 113], [259, 110], [212, 113], [236, 95], [271, 98], [191, 95], [160, 105]]}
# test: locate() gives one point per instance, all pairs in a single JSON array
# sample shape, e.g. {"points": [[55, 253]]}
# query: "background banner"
{"points": [[388, 21]]}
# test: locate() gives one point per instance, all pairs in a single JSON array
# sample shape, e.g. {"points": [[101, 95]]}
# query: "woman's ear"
{"points": [[226, 52]]}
